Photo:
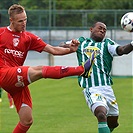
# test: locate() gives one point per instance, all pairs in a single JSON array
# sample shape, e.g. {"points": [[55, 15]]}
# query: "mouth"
{"points": [[23, 28]]}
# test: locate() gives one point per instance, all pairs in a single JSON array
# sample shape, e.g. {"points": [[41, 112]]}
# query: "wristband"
{"points": [[131, 43]]}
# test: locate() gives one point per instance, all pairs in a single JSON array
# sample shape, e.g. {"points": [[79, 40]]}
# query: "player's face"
{"points": [[18, 22], [98, 32]]}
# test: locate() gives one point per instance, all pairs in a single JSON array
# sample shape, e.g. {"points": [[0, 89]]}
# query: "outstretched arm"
{"points": [[72, 47], [125, 49]]}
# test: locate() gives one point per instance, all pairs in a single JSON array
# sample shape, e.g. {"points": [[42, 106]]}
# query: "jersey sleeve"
{"points": [[112, 46], [37, 44]]}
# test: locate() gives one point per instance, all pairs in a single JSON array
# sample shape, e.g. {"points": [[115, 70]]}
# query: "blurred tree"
{"points": [[112, 4], [73, 4], [69, 4], [5, 4], [35, 4], [65, 13]]}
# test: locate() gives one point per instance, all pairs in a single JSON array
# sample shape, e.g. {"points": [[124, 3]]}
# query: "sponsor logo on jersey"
{"points": [[14, 52], [90, 49]]}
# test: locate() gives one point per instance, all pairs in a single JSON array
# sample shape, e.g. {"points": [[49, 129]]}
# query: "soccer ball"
{"points": [[127, 22]]}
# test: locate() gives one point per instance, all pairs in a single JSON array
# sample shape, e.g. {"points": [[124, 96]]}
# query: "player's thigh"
{"points": [[14, 79], [95, 100]]}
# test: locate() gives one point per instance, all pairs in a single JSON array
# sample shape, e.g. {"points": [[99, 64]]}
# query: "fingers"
{"points": [[73, 43], [76, 42]]}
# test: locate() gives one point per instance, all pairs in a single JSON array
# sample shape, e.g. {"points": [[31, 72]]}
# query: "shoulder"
{"points": [[111, 46], [31, 35], [81, 39], [109, 41], [28, 33]]}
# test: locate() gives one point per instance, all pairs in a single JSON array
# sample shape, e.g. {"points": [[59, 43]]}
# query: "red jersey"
{"points": [[14, 46]]}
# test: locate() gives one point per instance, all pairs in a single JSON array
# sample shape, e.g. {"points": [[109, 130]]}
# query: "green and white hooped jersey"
{"points": [[100, 75]]}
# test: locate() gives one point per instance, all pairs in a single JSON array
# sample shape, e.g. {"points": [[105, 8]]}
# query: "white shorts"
{"points": [[102, 96]]}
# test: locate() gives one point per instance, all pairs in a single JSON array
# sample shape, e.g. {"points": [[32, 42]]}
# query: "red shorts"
{"points": [[14, 80]]}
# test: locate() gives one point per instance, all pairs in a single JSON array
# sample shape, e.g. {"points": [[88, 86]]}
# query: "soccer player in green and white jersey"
{"points": [[98, 92]]}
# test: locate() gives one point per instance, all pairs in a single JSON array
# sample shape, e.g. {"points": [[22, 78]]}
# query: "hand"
{"points": [[74, 45]]}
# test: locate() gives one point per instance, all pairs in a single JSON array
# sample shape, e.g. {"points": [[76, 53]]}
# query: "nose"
{"points": [[24, 22], [102, 29]]}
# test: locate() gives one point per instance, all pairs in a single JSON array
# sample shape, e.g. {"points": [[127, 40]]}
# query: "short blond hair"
{"points": [[15, 9]]}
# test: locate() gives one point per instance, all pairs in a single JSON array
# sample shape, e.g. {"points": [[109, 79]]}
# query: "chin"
{"points": [[99, 39]]}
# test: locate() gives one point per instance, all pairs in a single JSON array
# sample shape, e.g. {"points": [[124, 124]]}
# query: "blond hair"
{"points": [[15, 9]]}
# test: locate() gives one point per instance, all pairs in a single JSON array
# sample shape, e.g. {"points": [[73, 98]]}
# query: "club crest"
{"points": [[15, 42]]}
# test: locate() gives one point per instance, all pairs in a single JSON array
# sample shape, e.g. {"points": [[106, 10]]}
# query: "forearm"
{"points": [[128, 49], [125, 49], [64, 48], [57, 50], [62, 51]]}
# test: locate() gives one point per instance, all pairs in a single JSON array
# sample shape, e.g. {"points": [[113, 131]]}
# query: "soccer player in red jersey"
{"points": [[11, 104], [15, 42]]}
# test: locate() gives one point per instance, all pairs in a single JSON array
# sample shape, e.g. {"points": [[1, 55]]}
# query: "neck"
{"points": [[11, 28]]}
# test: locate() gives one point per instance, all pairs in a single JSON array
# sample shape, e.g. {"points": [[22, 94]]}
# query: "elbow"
{"points": [[120, 52]]}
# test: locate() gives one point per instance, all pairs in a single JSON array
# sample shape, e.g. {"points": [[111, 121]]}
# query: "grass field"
{"points": [[59, 107]]}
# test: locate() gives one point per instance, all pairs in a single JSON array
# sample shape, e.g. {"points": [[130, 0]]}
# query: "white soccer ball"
{"points": [[127, 22]]}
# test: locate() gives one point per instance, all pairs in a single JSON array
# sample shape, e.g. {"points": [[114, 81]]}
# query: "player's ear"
{"points": [[10, 19], [91, 28]]}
